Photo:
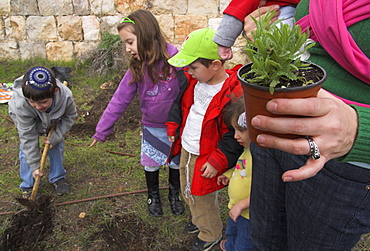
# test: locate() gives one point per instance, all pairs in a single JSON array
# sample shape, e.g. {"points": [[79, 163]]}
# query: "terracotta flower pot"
{"points": [[256, 98]]}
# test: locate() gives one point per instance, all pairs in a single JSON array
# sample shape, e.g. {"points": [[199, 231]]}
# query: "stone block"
{"points": [[102, 7], [21, 7], [185, 24], [59, 51], [91, 28], [169, 6], [209, 7], [15, 28], [32, 50], [82, 48], [9, 51], [70, 28], [81, 7], [109, 24], [4, 7], [55, 8], [126, 7], [167, 24], [41, 28]]}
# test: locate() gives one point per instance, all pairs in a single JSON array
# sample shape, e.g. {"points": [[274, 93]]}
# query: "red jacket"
{"points": [[241, 8], [217, 143]]}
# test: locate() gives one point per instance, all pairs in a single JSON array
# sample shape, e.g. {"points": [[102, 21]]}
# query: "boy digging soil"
{"points": [[40, 101]]}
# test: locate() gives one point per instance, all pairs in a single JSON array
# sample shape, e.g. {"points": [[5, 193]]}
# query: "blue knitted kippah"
{"points": [[39, 78]]}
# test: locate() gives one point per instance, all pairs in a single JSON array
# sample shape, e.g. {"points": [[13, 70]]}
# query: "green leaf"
{"points": [[275, 51]]}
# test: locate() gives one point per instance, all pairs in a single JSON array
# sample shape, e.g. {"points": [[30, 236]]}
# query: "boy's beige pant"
{"points": [[204, 209]]}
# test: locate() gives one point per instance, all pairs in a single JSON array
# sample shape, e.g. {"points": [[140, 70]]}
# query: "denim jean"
{"points": [[329, 211], [56, 171], [237, 235]]}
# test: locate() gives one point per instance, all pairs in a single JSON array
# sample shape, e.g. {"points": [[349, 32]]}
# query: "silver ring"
{"points": [[314, 149]]}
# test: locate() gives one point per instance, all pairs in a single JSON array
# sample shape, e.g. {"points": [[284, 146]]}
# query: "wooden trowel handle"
{"points": [[42, 163]]}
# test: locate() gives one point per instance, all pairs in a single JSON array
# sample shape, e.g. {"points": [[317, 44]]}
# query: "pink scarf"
{"points": [[328, 21]]}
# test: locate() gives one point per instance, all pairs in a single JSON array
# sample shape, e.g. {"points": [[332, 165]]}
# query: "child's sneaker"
{"points": [[26, 192], [61, 186], [199, 245], [191, 228]]}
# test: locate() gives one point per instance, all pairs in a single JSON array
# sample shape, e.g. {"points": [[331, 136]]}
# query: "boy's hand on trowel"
{"points": [[37, 173], [46, 141]]}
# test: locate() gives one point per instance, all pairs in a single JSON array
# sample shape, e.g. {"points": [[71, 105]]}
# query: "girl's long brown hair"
{"points": [[151, 46]]}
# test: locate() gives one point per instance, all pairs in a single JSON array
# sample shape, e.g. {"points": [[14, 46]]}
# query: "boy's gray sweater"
{"points": [[32, 123]]}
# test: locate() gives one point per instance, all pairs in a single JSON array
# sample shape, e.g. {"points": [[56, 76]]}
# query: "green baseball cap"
{"points": [[197, 44]]}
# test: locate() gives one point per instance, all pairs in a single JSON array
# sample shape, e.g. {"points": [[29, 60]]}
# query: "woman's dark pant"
{"points": [[329, 211]]}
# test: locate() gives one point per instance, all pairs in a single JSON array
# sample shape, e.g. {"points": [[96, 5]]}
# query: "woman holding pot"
{"points": [[313, 193]]}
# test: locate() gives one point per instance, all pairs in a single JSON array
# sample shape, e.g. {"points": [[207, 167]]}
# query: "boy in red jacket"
{"points": [[233, 19], [206, 143]]}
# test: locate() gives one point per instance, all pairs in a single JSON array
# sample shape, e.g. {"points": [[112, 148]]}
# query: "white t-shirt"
{"points": [[203, 95]]}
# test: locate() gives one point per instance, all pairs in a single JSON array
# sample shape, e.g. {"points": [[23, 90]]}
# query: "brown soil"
{"points": [[29, 227], [312, 74], [133, 233], [130, 120]]}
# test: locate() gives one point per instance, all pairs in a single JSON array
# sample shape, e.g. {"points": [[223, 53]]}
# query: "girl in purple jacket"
{"points": [[157, 85]]}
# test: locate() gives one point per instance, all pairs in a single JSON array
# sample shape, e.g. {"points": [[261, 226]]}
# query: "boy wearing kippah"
{"points": [[200, 134], [38, 102]]}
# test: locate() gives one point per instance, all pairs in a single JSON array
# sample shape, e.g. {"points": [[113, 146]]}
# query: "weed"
{"points": [[107, 58]]}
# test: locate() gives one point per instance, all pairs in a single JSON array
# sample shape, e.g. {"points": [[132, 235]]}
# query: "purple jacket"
{"points": [[155, 101]]}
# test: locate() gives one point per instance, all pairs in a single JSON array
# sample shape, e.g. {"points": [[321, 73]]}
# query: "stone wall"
{"points": [[64, 29]]}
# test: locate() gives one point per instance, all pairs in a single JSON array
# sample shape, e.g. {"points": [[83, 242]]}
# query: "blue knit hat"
{"points": [[39, 78]]}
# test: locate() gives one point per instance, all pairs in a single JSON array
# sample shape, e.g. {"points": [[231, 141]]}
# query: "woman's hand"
{"points": [[250, 25], [327, 120]]}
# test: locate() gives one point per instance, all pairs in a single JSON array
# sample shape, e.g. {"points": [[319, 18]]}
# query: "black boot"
{"points": [[174, 192], [154, 201]]}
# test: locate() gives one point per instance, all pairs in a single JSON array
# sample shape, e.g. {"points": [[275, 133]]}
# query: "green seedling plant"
{"points": [[274, 51]]}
